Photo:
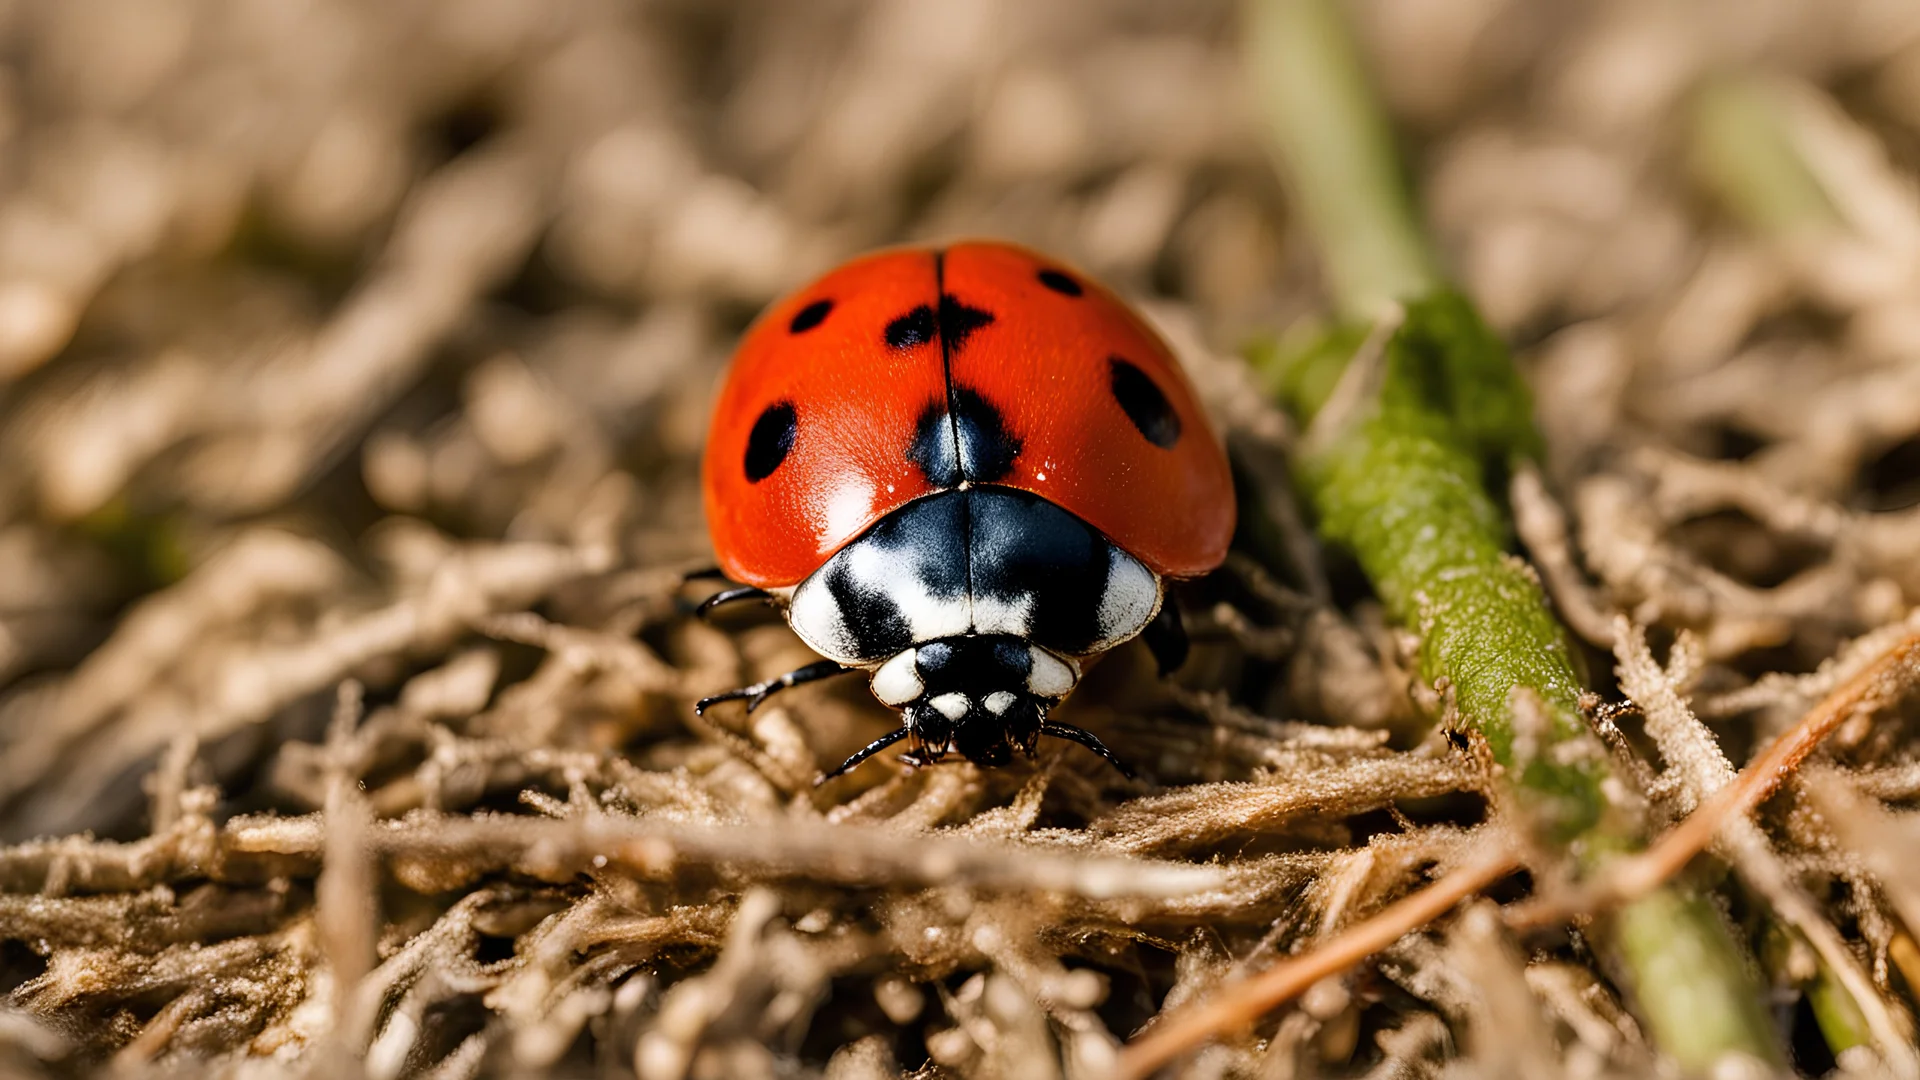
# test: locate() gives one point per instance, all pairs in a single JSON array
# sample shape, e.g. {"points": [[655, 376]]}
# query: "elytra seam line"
{"points": [[953, 416]]}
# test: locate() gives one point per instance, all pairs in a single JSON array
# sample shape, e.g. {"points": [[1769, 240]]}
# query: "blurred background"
{"points": [[332, 329], [318, 263]]}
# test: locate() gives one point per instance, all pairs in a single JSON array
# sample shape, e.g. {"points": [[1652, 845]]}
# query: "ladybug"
{"points": [[966, 471]]}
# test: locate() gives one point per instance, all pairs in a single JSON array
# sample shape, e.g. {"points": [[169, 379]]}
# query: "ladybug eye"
{"points": [[1144, 404], [1059, 282], [810, 316], [771, 440]]}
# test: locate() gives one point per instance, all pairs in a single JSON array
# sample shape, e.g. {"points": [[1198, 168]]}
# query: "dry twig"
{"points": [[1240, 1004], [1636, 875]]}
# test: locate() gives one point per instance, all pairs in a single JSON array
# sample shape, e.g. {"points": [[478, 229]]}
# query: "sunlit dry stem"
{"points": [[1246, 1001], [1637, 875]]}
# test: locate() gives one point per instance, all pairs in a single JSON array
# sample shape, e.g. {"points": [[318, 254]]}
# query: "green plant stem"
{"points": [[1744, 152], [1842, 1024], [1399, 475], [1337, 157], [1403, 488], [1837, 1014], [1691, 987]]}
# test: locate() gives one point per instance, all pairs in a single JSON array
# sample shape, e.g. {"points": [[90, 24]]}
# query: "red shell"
{"points": [[1045, 359]]}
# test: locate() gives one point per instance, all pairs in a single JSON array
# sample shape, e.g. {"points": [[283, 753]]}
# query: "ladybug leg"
{"points": [[923, 755], [864, 753], [1166, 638], [759, 692], [1088, 740], [724, 596], [728, 596], [1024, 734]]}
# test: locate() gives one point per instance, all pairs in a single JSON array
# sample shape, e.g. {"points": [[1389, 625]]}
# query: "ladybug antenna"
{"points": [[1085, 738], [878, 745]]}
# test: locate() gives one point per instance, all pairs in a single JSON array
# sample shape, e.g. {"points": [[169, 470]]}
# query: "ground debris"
{"points": [[354, 367]]}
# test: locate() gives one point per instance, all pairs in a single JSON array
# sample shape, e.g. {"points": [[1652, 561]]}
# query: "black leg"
{"points": [[728, 596], [926, 754], [866, 752], [703, 573], [759, 692], [1166, 638], [1088, 740]]}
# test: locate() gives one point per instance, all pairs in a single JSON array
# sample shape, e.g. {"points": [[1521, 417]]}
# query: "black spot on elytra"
{"points": [[1144, 404], [971, 443], [932, 448], [770, 440], [953, 324], [958, 321], [987, 448], [1059, 282], [916, 327], [810, 316]]}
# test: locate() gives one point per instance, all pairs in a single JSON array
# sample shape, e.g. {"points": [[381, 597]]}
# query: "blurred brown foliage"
{"points": [[354, 360]]}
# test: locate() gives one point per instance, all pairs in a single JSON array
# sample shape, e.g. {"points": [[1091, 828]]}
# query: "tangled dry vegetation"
{"points": [[354, 361]]}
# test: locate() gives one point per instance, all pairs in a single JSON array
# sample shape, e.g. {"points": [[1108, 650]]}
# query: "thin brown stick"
{"points": [[1246, 1001], [1637, 875]]}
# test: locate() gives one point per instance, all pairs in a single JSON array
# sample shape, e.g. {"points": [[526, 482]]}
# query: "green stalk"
{"points": [[1402, 485], [1336, 153], [1693, 990], [1745, 154], [1842, 1024], [1836, 1013], [1397, 466]]}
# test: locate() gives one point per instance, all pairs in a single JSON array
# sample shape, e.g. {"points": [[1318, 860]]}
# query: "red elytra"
{"points": [[1047, 345]]}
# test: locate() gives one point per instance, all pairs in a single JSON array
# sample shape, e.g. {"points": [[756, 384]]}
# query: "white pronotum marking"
{"points": [[1050, 677], [817, 619], [1131, 597], [1127, 603], [898, 681], [992, 615], [895, 574]]}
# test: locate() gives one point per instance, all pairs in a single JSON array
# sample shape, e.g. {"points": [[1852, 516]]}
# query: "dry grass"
{"points": [[354, 361]]}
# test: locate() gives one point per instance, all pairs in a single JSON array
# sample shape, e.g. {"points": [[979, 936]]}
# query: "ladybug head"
{"points": [[977, 695]]}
